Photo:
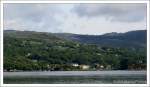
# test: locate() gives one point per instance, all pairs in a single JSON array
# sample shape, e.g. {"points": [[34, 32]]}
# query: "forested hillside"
{"points": [[29, 50], [131, 39]]}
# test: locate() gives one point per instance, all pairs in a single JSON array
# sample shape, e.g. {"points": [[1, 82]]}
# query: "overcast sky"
{"points": [[75, 18]]}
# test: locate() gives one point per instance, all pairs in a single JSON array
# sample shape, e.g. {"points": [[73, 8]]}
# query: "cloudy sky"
{"points": [[75, 18]]}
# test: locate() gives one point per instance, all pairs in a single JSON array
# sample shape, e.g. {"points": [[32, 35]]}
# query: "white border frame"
{"points": [[73, 85]]}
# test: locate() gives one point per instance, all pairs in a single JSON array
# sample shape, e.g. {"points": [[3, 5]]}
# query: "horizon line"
{"points": [[73, 33]]}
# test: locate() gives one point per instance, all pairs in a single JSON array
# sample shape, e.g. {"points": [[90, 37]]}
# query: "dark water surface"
{"points": [[76, 77]]}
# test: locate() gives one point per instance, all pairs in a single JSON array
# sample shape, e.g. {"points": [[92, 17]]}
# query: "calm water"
{"points": [[76, 77]]}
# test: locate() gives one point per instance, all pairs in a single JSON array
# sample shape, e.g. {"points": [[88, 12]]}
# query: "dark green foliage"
{"points": [[24, 50], [136, 39]]}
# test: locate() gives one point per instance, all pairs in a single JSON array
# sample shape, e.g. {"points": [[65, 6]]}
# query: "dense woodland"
{"points": [[30, 51]]}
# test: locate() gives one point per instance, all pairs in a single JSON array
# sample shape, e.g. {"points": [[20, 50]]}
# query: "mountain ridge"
{"points": [[136, 39]]}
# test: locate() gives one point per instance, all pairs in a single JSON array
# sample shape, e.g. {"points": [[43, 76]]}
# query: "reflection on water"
{"points": [[76, 77]]}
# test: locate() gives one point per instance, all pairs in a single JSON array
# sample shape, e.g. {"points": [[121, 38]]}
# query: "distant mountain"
{"points": [[129, 39]]}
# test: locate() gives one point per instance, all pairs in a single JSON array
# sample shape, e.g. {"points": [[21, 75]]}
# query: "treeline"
{"points": [[41, 54]]}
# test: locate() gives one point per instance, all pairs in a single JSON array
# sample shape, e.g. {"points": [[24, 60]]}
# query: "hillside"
{"points": [[29, 50], [132, 39]]}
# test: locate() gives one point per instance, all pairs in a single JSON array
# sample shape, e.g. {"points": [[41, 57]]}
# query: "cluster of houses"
{"points": [[95, 67], [83, 67]]}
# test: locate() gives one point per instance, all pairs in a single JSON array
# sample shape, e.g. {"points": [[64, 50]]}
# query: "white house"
{"points": [[75, 65], [84, 67]]}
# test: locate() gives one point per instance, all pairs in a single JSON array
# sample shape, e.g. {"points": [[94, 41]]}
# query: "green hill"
{"points": [[29, 50], [131, 39]]}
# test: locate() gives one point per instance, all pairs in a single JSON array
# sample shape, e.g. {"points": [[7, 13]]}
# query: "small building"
{"points": [[84, 67], [101, 66], [75, 65]]}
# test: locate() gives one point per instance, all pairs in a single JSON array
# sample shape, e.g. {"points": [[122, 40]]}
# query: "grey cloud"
{"points": [[33, 12], [114, 12], [91, 18], [33, 16]]}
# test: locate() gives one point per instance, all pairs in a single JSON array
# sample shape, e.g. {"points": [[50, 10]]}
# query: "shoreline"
{"points": [[68, 70], [76, 73]]}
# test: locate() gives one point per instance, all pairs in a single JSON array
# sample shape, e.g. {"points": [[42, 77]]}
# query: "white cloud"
{"points": [[97, 25]]}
